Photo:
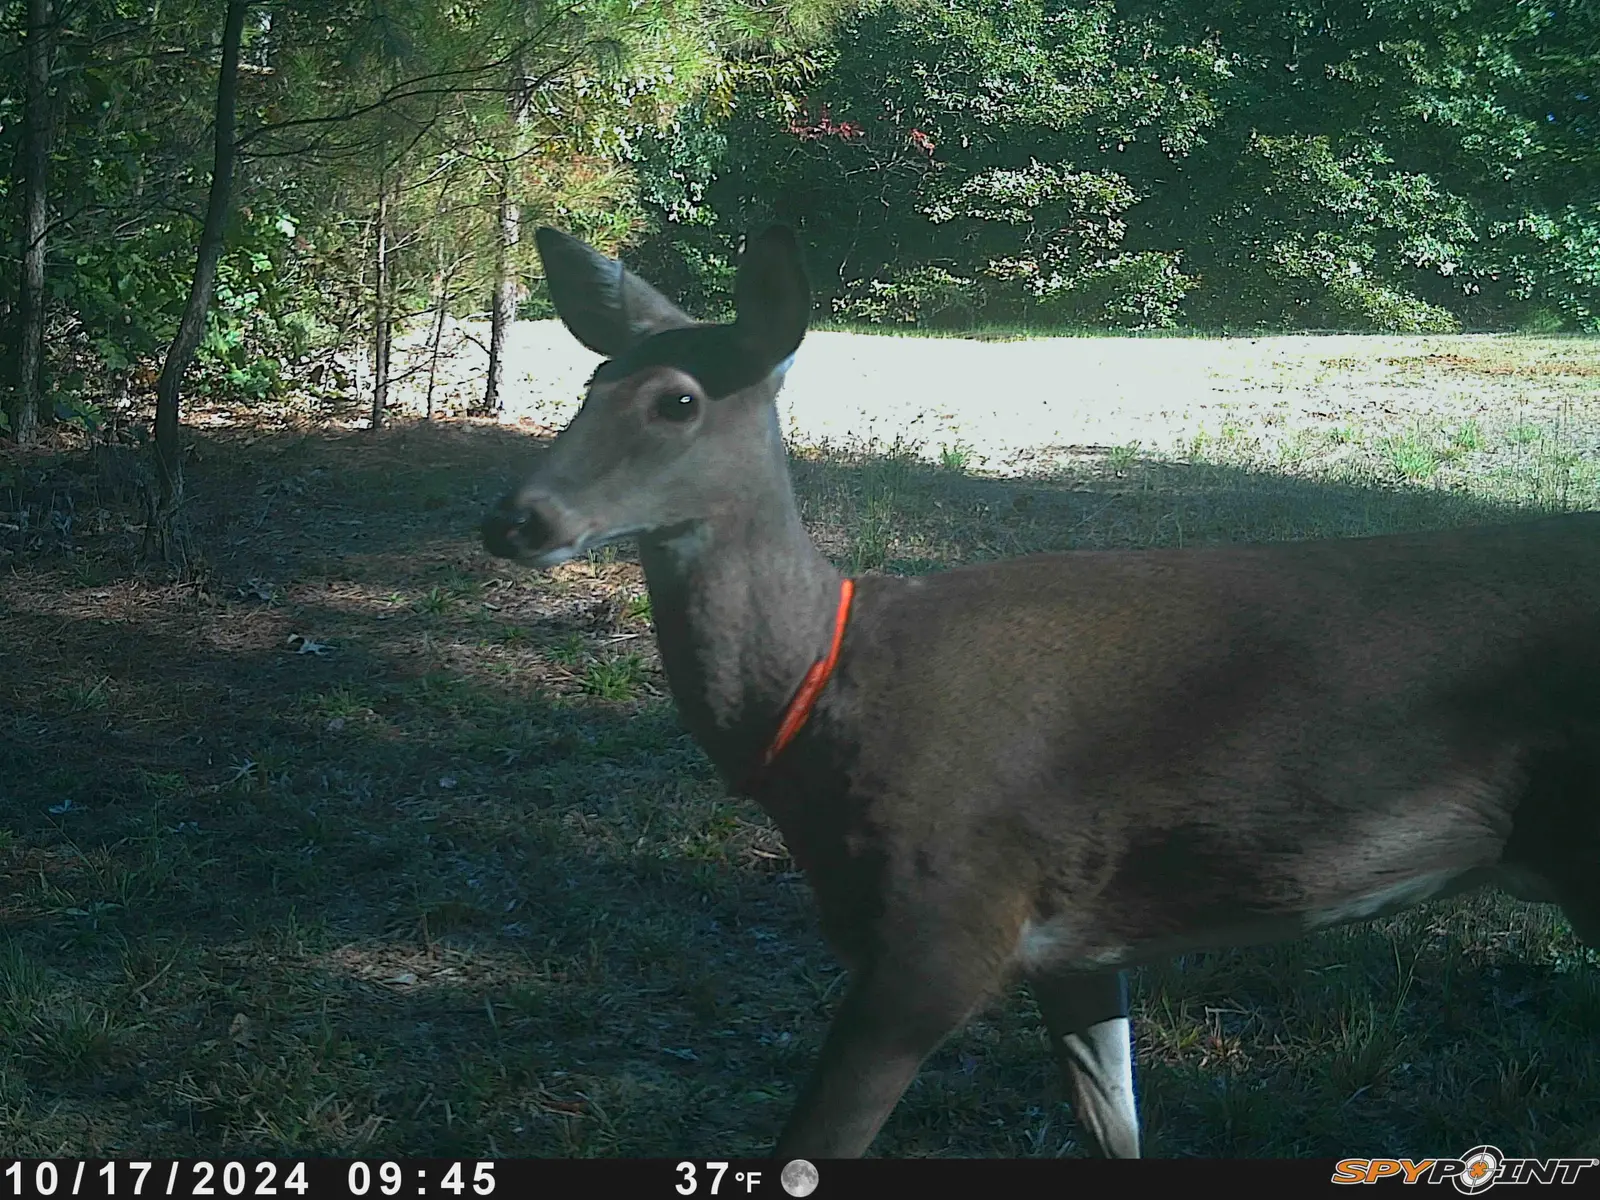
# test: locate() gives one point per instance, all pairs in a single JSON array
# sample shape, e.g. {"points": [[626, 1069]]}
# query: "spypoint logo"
{"points": [[1474, 1173], [1479, 1168]]}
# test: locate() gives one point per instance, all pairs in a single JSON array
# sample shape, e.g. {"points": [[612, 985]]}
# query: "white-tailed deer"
{"points": [[1057, 766]]}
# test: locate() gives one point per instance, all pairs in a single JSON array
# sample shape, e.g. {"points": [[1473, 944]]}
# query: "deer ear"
{"points": [[603, 304], [771, 297]]}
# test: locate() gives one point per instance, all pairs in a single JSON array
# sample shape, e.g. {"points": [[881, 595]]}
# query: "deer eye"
{"points": [[679, 406]]}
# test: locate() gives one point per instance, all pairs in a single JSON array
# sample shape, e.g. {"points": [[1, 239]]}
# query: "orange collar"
{"points": [[794, 717]]}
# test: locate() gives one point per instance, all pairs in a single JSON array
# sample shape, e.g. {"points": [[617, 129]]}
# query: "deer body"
{"points": [[1058, 766], [1162, 751]]}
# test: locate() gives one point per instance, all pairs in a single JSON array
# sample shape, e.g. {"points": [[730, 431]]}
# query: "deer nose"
{"points": [[516, 528]]}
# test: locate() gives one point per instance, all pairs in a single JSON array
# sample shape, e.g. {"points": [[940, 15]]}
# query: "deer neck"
{"points": [[743, 604]]}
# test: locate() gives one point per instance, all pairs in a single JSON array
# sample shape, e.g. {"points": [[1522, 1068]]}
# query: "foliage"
{"points": [[945, 139], [1403, 165], [1380, 166], [331, 102], [921, 295], [1127, 291]]}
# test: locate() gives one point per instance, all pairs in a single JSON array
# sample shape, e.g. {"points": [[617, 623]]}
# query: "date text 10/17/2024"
{"points": [[199, 1177]]}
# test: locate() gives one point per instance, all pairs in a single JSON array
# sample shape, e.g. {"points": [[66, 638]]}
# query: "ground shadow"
{"points": [[454, 880]]}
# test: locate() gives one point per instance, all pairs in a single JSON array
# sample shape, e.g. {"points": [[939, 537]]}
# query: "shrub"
{"points": [[1338, 291], [929, 296], [1131, 291]]}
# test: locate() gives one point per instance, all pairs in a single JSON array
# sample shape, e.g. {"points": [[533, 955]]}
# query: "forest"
{"points": [[245, 199]]}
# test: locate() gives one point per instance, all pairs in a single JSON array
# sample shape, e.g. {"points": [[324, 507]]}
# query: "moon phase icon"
{"points": [[799, 1178]]}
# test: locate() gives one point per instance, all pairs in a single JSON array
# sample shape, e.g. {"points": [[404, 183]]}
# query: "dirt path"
{"points": [[1017, 406]]}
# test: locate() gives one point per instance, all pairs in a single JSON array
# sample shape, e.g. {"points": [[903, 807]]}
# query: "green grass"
{"points": [[1523, 434], [87, 695], [1122, 457], [465, 887], [569, 651], [617, 678], [1344, 435], [1468, 437], [435, 601], [1413, 457], [955, 458]]}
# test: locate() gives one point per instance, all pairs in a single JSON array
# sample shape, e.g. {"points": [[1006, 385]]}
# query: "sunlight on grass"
{"points": [[1413, 457]]}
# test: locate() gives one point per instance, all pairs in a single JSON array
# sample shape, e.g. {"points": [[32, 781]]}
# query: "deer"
{"points": [[1053, 768]]}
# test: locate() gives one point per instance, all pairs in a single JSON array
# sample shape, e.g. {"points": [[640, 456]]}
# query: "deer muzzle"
{"points": [[531, 529]]}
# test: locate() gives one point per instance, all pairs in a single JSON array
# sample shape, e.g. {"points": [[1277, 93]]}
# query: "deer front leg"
{"points": [[890, 1021], [1087, 1019]]}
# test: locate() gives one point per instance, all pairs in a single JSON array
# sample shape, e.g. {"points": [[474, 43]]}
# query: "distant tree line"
{"points": [[1401, 165], [230, 198]]}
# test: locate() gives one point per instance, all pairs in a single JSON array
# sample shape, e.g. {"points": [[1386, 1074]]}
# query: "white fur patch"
{"points": [[1387, 900], [1060, 941], [687, 547], [551, 558], [1042, 943]]}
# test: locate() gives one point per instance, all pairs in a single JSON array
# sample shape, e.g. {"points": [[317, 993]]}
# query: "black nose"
{"points": [[513, 530]]}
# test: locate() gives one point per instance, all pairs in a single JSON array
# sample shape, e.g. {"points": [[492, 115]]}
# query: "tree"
{"points": [[281, 240], [29, 405], [947, 162], [1403, 164], [626, 68], [508, 233], [191, 326], [209, 249]]}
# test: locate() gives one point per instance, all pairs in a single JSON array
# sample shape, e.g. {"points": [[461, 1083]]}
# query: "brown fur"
{"points": [[1061, 765]]}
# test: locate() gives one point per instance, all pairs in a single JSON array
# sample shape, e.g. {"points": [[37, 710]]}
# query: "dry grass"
{"points": [[369, 843]]}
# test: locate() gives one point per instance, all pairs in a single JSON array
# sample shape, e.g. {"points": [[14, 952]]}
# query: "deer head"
{"points": [[674, 416]]}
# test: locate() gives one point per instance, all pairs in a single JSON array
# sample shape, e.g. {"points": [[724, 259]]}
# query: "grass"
{"points": [[86, 695], [1014, 331], [955, 458], [1120, 458], [1468, 437], [1413, 457], [615, 678], [461, 885]]}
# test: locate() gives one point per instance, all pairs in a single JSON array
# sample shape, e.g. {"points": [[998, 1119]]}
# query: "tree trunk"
{"points": [[504, 310], [361, 366], [382, 323], [162, 531], [192, 325], [28, 396], [441, 285]]}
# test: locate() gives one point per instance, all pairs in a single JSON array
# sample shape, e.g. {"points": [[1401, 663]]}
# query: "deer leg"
{"points": [[1086, 1016], [1555, 845], [891, 1019], [1580, 904]]}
